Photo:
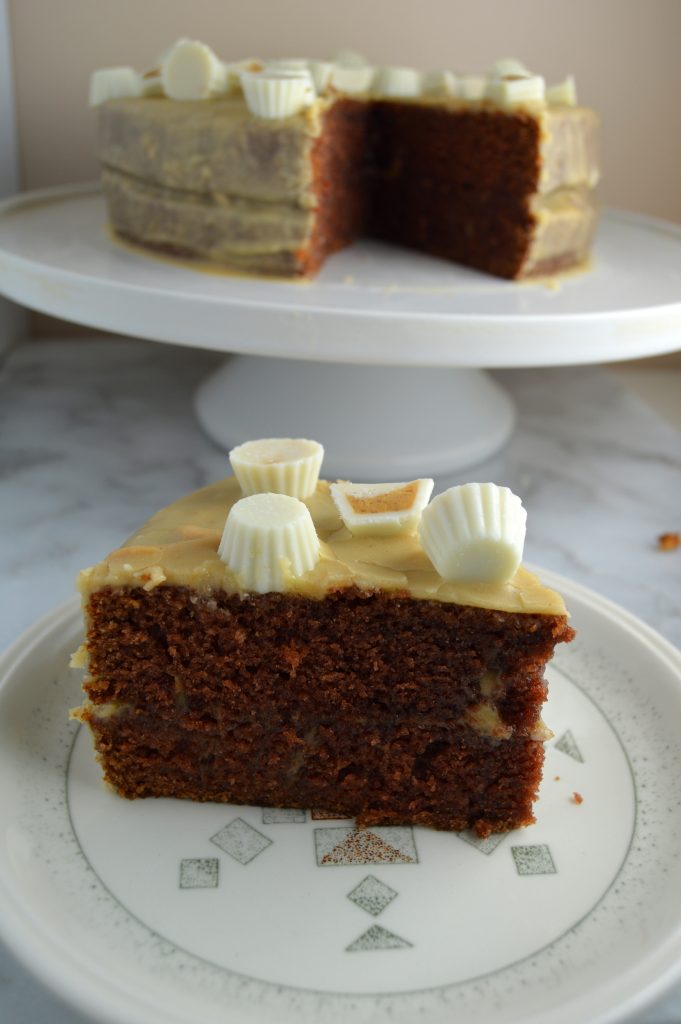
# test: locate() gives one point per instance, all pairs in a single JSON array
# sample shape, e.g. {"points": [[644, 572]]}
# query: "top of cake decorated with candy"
{"points": [[275, 527], [191, 71]]}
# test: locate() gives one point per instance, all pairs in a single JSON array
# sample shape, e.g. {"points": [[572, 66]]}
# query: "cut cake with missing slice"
{"points": [[494, 172]]}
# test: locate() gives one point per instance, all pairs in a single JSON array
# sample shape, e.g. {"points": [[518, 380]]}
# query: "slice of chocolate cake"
{"points": [[272, 640]]}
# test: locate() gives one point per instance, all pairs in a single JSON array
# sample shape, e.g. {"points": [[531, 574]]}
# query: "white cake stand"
{"points": [[380, 357]]}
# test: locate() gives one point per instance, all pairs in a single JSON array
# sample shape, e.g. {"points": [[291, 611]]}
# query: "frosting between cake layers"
{"points": [[565, 222], [179, 546]]}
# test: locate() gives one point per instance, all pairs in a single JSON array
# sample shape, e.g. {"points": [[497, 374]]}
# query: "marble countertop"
{"points": [[95, 435]]}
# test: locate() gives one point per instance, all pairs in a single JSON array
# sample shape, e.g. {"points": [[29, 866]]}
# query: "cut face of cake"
{"points": [[254, 649], [269, 169]]}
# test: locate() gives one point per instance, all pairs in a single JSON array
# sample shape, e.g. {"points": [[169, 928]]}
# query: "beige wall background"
{"points": [[625, 55]]}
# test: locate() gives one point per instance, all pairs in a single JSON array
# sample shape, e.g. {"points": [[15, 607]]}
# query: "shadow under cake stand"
{"points": [[381, 357]]}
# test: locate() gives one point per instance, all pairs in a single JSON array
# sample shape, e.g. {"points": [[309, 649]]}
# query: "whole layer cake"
{"points": [[270, 167], [261, 648]]}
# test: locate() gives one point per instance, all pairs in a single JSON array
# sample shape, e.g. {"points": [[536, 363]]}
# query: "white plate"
{"points": [[167, 912], [371, 303]]}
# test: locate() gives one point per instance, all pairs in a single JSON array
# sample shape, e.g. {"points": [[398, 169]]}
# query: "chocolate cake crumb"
{"points": [[359, 703]]}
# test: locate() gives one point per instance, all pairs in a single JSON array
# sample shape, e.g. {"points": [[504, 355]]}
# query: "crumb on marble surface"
{"points": [[577, 798], [668, 541]]}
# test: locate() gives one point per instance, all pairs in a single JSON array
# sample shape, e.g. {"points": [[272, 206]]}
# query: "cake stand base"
{"points": [[376, 423]]}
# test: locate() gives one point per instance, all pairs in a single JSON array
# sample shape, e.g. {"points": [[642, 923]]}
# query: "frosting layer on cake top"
{"points": [[179, 546]]}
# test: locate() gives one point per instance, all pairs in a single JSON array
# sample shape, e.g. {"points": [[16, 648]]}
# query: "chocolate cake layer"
{"points": [[371, 704], [339, 183], [467, 185], [418, 772]]}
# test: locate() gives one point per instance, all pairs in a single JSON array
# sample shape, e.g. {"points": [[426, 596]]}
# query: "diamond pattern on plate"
{"points": [[282, 815], [386, 844], [377, 938], [533, 860], [487, 845], [241, 841], [372, 895], [199, 873], [567, 744]]}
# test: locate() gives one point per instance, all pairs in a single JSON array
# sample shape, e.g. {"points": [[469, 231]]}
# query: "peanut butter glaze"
{"points": [[178, 546]]}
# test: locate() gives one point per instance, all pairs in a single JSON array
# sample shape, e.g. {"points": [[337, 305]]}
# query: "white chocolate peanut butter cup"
{"points": [[381, 509], [191, 71], [319, 70], [267, 540], [516, 90], [397, 83], [439, 83], [352, 78], [474, 533], [277, 93], [280, 465], [471, 87], [114, 84], [505, 66], [564, 93]]}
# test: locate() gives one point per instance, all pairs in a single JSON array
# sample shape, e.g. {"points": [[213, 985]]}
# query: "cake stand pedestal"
{"points": [[380, 358], [399, 422]]}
